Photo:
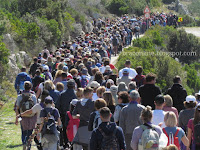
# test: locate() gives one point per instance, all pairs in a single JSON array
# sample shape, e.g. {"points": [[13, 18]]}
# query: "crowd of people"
{"points": [[74, 98]]}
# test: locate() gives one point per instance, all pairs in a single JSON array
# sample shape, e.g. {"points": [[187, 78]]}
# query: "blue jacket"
{"points": [[107, 128], [23, 76]]}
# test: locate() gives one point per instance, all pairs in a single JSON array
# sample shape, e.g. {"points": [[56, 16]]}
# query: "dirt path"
{"points": [[114, 58], [193, 30]]}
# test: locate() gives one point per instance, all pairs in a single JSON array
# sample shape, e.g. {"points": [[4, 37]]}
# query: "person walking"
{"points": [[130, 117], [107, 135]]}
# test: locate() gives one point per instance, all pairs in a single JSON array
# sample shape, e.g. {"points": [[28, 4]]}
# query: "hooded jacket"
{"points": [[178, 94], [108, 128]]}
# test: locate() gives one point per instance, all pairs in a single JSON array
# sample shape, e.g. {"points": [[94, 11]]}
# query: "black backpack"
{"points": [[197, 133], [26, 102], [109, 142], [49, 122]]}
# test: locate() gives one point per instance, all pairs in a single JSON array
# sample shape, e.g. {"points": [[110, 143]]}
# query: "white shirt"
{"points": [[132, 72], [94, 97], [158, 117]]}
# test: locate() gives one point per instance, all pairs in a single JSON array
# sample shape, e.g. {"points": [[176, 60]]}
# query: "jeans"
{"points": [[25, 135]]}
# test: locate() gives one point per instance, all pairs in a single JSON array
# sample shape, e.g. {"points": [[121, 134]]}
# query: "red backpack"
{"points": [[72, 127], [172, 139]]}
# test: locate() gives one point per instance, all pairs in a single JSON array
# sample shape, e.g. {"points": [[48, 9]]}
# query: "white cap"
{"points": [[71, 56], [74, 102], [46, 67], [190, 98]]}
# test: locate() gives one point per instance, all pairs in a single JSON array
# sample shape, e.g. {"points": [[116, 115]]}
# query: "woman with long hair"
{"points": [[107, 96], [190, 130]]}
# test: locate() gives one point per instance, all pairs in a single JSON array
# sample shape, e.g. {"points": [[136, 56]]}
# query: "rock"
{"points": [[78, 30], [25, 57], [182, 9], [89, 27], [10, 43]]}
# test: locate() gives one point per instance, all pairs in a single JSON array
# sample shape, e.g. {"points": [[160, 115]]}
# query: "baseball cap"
{"points": [[110, 81], [94, 84], [125, 70], [74, 102], [46, 67], [113, 88], [108, 68], [67, 59], [48, 99], [190, 98], [71, 82], [159, 99], [198, 106], [65, 68]]}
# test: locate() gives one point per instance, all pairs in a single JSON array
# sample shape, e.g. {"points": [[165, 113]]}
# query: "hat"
{"points": [[58, 53], [65, 68], [125, 70], [94, 84], [110, 81], [71, 82], [46, 67], [198, 106], [196, 94], [84, 71], [74, 102], [48, 99], [71, 56], [190, 98], [122, 87], [114, 88], [108, 68], [98, 65], [134, 94], [159, 99], [67, 59]]}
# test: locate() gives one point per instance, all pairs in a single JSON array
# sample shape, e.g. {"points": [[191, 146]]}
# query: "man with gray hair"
{"points": [[130, 117]]}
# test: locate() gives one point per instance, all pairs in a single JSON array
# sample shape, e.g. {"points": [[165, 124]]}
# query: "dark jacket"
{"points": [[178, 94], [148, 92], [108, 128], [33, 69], [63, 102], [55, 95]]}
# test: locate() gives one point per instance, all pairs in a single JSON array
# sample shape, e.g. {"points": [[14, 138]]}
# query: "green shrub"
{"points": [[164, 67], [117, 7], [4, 53], [168, 1]]}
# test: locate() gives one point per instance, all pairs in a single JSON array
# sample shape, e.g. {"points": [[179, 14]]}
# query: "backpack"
{"points": [[109, 142], [72, 127], [196, 133], [150, 138], [84, 82], [97, 120], [49, 126], [172, 139], [26, 102]]}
